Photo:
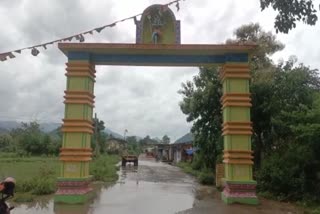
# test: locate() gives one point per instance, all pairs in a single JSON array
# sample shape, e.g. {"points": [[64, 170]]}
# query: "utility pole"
{"points": [[124, 138], [124, 134], [95, 136]]}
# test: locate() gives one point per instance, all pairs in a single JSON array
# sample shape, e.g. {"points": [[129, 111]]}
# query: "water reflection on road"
{"points": [[151, 187]]}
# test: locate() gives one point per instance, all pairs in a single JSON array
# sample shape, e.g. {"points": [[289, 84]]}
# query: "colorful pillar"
{"points": [[239, 185], [76, 152]]}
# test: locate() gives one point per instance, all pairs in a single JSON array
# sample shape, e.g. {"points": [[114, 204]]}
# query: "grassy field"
{"points": [[37, 175], [26, 168]]}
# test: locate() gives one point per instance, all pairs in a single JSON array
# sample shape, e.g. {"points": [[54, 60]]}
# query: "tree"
{"points": [[285, 114], [134, 147], [132, 139], [147, 140], [290, 12], [99, 137], [267, 44], [165, 139], [6, 143], [29, 138], [201, 103]]}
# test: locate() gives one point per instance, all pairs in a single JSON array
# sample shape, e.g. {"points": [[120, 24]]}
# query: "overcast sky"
{"points": [[143, 100]]}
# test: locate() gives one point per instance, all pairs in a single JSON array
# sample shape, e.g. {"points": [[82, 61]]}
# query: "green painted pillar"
{"points": [[76, 152], [239, 186]]}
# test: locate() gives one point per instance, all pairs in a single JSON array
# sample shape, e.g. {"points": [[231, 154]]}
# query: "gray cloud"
{"points": [[143, 100]]}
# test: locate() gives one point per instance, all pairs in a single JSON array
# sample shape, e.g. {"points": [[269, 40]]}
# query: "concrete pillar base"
{"points": [[73, 191], [240, 192]]}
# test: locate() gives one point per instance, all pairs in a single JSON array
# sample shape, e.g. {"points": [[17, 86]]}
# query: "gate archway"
{"points": [[165, 50]]}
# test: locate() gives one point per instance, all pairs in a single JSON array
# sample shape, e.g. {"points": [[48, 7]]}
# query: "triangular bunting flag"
{"points": [[3, 57], [88, 32], [11, 55], [81, 38], [68, 39], [135, 20], [178, 6], [99, 29], [112, 25]]}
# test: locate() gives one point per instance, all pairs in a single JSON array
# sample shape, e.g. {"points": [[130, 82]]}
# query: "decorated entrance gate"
{"points": [[158, 44]]}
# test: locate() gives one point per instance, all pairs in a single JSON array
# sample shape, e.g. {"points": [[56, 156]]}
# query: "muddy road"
{"points": [[154, 188]]}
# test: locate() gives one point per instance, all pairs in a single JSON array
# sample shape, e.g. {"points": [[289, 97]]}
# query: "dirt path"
{"points": [[208, 200]]}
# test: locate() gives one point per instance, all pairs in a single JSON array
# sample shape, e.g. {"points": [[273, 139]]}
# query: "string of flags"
{"points": [[79, 37]]}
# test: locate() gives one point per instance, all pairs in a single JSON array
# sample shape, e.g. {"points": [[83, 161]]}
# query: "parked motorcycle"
{"points": [[7, 191]]}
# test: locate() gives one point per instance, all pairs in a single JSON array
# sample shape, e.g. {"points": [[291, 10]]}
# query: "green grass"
{"points": [[187, 168], [203, 176], [26, 168], [104, 168], [37, 175]]}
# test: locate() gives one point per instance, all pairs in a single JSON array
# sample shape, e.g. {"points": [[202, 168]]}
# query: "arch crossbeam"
{"points": [[156, 55]]}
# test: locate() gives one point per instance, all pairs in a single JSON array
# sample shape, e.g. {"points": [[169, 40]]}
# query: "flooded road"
{"points": [[154, 188]]}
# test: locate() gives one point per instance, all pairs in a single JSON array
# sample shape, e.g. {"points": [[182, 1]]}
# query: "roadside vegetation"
{"points": [[285, 114], [37, 175], [204, 176], [31, 157]]}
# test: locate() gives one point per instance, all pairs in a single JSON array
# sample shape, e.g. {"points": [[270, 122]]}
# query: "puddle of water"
{"points": [[151, 188]]}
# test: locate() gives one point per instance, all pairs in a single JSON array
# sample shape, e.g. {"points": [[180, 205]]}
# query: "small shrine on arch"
{"points": [[158, 25], [158, 43]]}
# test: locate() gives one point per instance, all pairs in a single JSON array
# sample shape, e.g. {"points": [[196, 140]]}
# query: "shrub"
{"points": [[104, 169], [206, 177], [285, 174], [37, 186], [187, 168], [197, 162], [43, 186], [24, 186]]}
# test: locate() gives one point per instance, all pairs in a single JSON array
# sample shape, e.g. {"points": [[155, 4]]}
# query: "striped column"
{"points": [[239, 185], [76, 152]]}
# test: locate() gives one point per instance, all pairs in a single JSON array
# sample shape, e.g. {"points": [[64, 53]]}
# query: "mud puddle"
{"points": [[151, 187]]}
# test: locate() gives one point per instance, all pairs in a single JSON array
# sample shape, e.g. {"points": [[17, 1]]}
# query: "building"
{"points": [[180, 149], [163, 152]]}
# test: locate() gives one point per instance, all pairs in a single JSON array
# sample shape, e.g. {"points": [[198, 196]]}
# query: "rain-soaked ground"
{"points": [[154, 188]]}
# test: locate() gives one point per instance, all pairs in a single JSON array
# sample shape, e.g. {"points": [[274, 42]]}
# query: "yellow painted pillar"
{"points": [[76, 152], [239, 185]]}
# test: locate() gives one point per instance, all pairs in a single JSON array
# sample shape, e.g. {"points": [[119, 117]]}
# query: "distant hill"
{"points": [[2, 130], [9, 125], [45, 127], [114, 134], [51, 128], [185, 138]]}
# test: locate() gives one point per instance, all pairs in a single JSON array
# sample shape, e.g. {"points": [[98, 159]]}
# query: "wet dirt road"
{"points": [[151, 188], [154, 188]]}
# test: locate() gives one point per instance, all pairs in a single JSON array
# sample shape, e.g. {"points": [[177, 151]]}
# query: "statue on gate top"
{"points": [[158, 25]]}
